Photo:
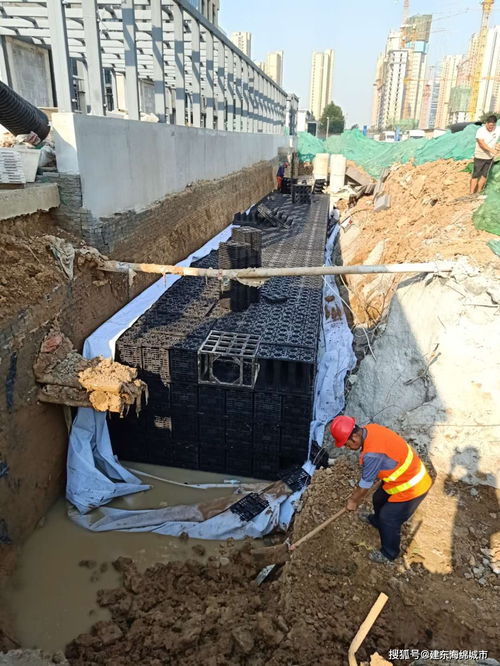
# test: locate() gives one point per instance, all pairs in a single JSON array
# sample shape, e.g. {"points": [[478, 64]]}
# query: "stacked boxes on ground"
{"points": [[231, 390]]}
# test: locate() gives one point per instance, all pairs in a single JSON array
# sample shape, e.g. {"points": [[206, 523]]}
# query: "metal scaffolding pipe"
{"points": [[265, 273]]}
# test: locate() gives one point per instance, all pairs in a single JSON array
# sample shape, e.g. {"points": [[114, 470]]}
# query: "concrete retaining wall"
{"points": [[129, 165], [31, 199]]}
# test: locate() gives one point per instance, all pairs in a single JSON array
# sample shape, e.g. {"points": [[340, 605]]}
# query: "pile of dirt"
{"points": [[187, 613], [215, 613], [430, 218], [431, 207], [70, 379]]}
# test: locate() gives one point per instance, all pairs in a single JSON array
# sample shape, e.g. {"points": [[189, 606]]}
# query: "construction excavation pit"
{"points": [[188, 408]]}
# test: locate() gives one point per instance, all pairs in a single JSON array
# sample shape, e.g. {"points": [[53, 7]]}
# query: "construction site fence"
{"points": [[374, 156]]}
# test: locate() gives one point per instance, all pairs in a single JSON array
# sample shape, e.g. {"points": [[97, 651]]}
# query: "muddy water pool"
{"points": [[51, 597]]}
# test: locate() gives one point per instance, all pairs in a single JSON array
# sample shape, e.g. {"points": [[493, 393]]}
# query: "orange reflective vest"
{"points": [[409, 479]]}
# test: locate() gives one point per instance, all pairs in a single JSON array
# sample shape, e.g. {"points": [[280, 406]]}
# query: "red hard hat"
{"points": [[341, 427]]}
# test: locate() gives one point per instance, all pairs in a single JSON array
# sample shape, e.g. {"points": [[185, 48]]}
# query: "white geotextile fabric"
{"points": [[95, 477], [335, 354]]}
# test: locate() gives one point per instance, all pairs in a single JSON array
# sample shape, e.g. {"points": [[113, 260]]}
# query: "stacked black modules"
{"points": [[231, 373]]}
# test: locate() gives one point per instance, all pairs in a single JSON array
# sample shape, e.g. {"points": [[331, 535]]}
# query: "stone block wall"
{"points": [[166, 226]]}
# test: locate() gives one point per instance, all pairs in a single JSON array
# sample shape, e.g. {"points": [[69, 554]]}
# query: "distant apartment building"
{"points": [[416, 34], [448, 81], [457, 109], [489, 89], [274, 66], [320, 93], [400, 79], [243, 40], [393, 90], [426, 111], [434, 103], [377, 90]]}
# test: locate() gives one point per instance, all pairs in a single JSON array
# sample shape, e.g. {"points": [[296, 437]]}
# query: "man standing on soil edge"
{"points": [[405, 481], [487, 138]]}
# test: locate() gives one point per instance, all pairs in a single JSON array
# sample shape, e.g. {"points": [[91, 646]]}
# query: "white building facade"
{"points": [[243, 40], [320, 93]]}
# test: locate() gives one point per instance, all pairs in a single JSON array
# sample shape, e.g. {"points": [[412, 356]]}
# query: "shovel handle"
{"points": [[315, 531]]}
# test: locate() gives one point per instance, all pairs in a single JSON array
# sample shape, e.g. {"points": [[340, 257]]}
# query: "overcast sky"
{"points": [[356, 30]]}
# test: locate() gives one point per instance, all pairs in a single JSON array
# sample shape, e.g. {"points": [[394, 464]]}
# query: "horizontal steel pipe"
{"points": [[264, 273]]}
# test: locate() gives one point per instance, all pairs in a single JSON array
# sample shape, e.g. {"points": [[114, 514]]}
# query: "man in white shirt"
{"points": [[487, 138]]}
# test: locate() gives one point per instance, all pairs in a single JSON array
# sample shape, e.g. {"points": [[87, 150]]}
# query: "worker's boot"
{"points": [[378, 557], [368, 518]]}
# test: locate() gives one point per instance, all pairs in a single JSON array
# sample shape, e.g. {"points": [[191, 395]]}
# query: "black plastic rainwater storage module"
{"points": [[231, 368]]}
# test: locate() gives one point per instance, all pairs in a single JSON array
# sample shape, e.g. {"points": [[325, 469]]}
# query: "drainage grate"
{"points": [[249, 506], [296, 478], [228, 359], [318, 455]]}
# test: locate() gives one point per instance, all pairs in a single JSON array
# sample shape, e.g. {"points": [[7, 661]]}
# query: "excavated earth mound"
{"points": [[430, 218], [185, 613], [430, 215]]}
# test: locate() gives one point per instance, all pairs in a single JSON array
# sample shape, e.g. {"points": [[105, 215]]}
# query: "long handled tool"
{"points": [[270, 556], [375, 611], [274, 555]]}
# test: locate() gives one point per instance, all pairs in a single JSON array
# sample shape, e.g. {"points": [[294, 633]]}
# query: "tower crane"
{"points": [[404, 23], [477, 65]]}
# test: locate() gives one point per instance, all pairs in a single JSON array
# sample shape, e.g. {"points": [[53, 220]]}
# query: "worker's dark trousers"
{"points": [[388, 518]]}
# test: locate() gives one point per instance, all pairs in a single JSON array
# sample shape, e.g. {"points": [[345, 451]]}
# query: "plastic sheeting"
{"points": [[95, 477], [487, 218], [336, 356]]}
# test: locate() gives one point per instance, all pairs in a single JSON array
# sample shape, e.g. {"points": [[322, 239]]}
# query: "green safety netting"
{"points": [[487, 217], [494, 245], [309, 146], [374, 156]]}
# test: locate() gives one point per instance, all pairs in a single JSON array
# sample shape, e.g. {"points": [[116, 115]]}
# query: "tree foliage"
{"points": [[485, 116], [337, 120]]}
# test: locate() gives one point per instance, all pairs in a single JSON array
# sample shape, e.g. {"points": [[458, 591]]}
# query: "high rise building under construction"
{"points": [[401, 74]]}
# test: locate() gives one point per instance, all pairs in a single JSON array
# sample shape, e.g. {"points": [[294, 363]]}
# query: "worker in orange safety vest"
{"points": [[405, 481]]}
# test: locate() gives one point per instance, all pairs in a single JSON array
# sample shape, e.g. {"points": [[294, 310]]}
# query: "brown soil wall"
{"points": [[33, 436]]}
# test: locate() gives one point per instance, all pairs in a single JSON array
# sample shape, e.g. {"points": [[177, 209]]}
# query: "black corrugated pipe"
{"points": [[19, 116]]}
